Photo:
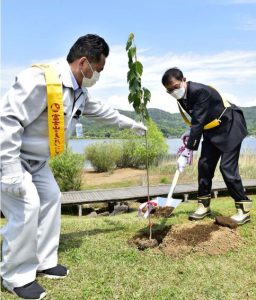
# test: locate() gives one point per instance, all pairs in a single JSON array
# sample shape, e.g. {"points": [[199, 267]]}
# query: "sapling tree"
{"points": [[138, 96]]}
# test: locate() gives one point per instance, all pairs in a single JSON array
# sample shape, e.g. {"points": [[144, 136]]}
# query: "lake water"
{"points": [[79, 145]]}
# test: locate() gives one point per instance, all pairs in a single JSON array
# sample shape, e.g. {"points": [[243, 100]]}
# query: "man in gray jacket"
{"points": [[30, 195]]}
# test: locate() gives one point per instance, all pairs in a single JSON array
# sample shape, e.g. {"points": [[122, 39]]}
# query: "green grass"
{"points": [[103, 265]]}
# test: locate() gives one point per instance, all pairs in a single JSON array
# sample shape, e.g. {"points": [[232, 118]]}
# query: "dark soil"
{"points": [[164, 212], [225, 221], [142, 241], [200, 237]]}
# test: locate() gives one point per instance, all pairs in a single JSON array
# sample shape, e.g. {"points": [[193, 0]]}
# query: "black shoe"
{"points": [[55, 273], [196, 217], [28, 291]]}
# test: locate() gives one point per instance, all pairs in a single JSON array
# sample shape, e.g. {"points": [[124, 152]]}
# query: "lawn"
{"points": [[104, 266]]}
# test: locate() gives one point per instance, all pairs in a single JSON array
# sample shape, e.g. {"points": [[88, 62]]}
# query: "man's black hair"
{"points": [[172, 73], [91, 46]]}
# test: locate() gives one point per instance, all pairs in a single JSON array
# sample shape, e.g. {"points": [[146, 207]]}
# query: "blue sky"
{"points": [[213, 42]]}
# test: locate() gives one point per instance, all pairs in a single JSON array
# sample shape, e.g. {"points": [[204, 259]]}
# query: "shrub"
{"points": [[67, 169], [134, 148], [103, 156]]}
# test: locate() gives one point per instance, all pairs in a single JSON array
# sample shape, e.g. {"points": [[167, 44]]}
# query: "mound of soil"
{"points": [[203, 238]]}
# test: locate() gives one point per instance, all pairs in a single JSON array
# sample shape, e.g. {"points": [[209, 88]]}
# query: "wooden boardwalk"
{"points": [[140, 193]]}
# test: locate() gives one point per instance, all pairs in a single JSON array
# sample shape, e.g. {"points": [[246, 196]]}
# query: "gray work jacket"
{"points": [[24, 120]]}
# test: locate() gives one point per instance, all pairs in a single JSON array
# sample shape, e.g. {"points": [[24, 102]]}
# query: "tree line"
{"points": [[170, 124]]}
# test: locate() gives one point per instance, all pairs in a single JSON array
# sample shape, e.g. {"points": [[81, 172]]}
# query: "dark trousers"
{"points": [[207, 163]]}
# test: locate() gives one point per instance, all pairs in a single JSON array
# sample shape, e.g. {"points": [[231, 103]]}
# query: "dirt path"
{"points": [[128, 177], [117, 176], [122, 177]]}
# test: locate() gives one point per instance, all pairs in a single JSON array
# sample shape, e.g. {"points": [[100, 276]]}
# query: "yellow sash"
{"points": [[214, 123], [55, 109]]}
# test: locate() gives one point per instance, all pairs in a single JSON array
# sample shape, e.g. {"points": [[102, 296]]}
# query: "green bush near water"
{"points": [[135, 151], [67, 169], [103, 156], [130, 152]]}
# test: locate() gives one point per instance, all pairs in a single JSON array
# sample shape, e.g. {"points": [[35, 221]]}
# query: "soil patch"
{"points": [[225, 221], [164, 212], [91, 177], [142, 241], [203, 238], [133, 177]]}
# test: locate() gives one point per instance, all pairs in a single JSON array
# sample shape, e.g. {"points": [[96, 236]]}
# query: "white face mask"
{"points": [[178, 93], [88, 82]]}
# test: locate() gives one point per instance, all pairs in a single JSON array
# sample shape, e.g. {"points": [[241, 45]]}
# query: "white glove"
{"points": [[182, 162], [185, 137], [13, 185], [139, 128], [184, 159]]}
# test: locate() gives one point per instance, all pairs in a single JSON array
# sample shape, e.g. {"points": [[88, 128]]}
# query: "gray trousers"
{"points": [[31, 234]]}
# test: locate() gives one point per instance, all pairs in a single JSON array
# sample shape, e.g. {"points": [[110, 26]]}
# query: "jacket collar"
{"points": [[188, 89], [66, 74]]}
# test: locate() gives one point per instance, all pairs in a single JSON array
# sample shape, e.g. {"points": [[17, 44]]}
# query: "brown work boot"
{"points": [[242, 215], [203, 209]]}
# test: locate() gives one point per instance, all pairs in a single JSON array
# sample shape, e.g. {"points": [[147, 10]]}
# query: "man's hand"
{"points": [[13, 185], [139, 128], [184, 159]]}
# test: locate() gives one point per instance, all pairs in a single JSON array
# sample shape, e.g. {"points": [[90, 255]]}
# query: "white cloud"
{"points": [[231, 72]]}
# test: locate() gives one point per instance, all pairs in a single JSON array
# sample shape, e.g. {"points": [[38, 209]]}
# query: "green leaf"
{"points": [[130, 62], [134, 96], [146, 95], [132, 52], [131, 97], [128, 45], [136, 107], [131, 75], [137, 99], [130, 40], [135, 85], [139, 68]]}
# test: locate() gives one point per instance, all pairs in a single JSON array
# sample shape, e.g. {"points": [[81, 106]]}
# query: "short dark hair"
{"points": [[173, 72], [91, 46]]}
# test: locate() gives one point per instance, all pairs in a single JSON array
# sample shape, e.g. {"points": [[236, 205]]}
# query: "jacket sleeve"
{"points": [[20, 106], [106, 114], [199, 116]]}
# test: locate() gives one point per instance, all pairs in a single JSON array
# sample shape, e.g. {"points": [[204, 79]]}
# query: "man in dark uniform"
{"points": [[204, 104]]}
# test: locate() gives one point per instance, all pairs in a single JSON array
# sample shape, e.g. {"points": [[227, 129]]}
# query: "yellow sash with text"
{"points": [[55, 109]]}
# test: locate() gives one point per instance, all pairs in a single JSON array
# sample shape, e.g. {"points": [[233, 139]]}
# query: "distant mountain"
{"points": [[171, 124]]}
